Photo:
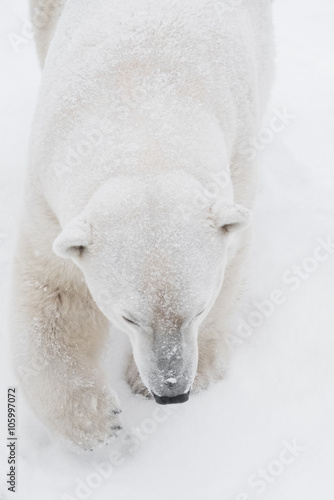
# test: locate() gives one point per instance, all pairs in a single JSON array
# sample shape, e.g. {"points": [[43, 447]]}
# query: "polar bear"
{"points": [[138, 200]]}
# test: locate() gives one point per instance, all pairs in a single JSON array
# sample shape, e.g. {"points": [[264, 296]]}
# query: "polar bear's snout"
{"points": [[165, 400], [169, 373], [168, 382], [165, 392], [167, 389]]}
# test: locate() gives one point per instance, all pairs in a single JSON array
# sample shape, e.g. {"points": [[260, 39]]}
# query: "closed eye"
{"points": [[199, 313], [130, 321]]}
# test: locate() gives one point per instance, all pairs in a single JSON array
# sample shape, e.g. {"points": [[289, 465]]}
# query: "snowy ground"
{"points": [[267, 430]]}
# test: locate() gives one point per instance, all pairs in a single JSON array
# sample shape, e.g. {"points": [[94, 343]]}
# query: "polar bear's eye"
{"points": [[199, 313], [130, 321]]}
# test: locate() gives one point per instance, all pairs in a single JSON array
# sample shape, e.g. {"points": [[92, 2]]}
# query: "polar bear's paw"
{"points": [[134, 380], [212, 364], [204, 379], [91, 419]]}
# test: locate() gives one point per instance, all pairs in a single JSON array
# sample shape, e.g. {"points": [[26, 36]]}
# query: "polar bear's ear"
{"points": [[73, 240], [231, 216]]}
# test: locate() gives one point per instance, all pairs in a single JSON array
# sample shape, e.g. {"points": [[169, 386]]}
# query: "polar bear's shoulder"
{"points": [[46, 13]]}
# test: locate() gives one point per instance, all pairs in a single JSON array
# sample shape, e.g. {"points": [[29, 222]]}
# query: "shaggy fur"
{"points": [[137, 198]]}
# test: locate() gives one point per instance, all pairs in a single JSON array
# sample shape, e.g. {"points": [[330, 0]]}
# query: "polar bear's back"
{"points": [[161, 67], [45, 15], [216, 37]]}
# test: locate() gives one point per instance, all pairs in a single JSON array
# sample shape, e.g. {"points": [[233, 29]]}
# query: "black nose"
{"points": [[166, 400]]}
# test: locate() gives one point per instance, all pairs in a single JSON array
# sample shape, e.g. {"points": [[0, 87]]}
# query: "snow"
{"points": [[171, 380], [267, 430]]}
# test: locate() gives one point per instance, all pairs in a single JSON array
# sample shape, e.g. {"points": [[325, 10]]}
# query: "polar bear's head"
{"points": [[153, 252]]}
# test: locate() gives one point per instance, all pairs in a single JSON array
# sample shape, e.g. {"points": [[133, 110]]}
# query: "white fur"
{"points": [[137, 199]]}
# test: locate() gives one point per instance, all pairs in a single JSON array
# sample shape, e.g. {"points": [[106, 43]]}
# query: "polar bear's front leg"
{"points": [[134, 380], [58, 334], [214, 348], [213, 355]]}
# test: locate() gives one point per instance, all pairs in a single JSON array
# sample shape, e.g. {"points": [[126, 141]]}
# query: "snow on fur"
{"points": [[137, 201]]}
